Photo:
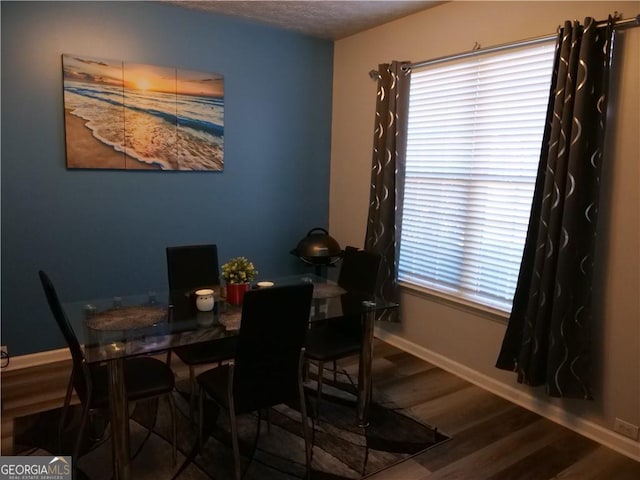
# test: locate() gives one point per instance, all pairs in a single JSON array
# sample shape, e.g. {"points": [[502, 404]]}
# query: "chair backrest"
{"points": [[272, 333], [80, 369], [190, 267], [359, 271]]}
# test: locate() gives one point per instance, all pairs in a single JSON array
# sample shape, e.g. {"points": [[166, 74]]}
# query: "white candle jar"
{"points": [[204, 300]]}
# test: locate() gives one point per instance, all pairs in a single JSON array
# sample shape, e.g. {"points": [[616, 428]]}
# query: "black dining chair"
{"points": [[189, 268], [331, 341], [267, 367], [145, 378]]}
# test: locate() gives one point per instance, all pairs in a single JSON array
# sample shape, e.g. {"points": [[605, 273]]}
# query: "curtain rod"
{"points": [[625, 23]]}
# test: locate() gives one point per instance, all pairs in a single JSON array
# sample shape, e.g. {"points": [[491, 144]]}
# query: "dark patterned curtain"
{"points": [[548, 338], [387, 175]]}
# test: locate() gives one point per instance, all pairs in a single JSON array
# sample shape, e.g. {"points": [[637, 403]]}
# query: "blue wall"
{"points": [[104, 233]]}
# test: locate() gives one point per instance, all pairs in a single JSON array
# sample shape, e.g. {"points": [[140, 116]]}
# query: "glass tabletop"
{"points": [[118, 327]]}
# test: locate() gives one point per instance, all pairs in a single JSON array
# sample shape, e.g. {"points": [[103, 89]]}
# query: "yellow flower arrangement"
{"points": [[238, 270]]}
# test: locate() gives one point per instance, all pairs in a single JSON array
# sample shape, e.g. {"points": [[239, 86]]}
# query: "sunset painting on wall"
{"points": [[133, 116]]}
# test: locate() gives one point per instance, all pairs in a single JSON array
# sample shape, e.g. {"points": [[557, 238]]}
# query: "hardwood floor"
{"points": [[492, 439]]}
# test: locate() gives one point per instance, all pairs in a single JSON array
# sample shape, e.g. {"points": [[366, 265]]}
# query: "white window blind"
{"points": [[474, 137]]}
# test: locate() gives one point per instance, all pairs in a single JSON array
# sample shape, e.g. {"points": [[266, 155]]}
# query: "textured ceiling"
{"points": [[320, 18]]}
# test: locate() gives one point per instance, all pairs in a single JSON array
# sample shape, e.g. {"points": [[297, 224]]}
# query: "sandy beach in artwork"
{"points": [[86, 151]]}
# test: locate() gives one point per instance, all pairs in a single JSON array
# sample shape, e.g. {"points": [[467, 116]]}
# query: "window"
{"points": [[473, 146]]}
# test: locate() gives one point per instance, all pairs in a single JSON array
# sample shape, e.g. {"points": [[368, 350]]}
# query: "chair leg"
{"points": [[65, 409], [233, 423], [200, 418], [335, 372], [305, 370], [305, 432], [268, 415], [192, 398], [83, 425], [234, 440], [303, 412], [319, 392], [174, 428]]}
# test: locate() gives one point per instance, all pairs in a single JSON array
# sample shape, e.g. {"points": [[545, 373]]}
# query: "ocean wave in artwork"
{"points": [[175, 132]]}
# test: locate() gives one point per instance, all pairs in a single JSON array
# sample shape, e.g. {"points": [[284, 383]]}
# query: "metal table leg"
{"points": [[119, 410], [364, 369]]}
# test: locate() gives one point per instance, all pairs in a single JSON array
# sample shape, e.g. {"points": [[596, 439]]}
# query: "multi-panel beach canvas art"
{"points": [[132, 116]]}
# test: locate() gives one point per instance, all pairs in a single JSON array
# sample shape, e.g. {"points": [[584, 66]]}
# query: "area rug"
{"points": [[271, 450]]}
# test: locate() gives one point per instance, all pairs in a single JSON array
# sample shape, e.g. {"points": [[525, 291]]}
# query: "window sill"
{"points": [[450, 301]]}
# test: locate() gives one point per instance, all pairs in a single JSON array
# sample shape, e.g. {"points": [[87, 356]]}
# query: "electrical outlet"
{"points": [[5, 357], [625, 428]]}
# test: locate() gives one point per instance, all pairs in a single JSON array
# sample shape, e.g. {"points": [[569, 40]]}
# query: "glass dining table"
{"points": [[115, 328]]}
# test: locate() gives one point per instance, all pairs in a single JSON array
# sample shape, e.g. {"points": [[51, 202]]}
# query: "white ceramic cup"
{"points": [[204, 300]]}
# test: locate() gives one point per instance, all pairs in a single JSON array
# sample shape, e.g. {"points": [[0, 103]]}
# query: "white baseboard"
{"points": [[37, 359], [584, 427]]}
